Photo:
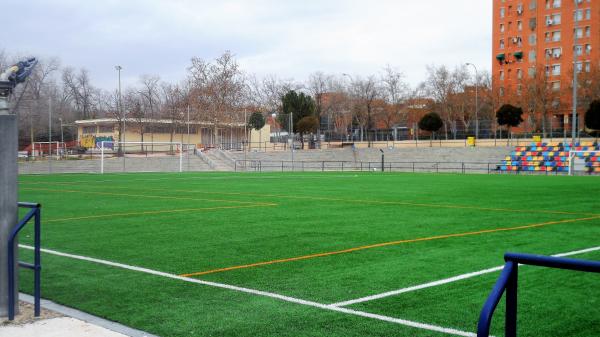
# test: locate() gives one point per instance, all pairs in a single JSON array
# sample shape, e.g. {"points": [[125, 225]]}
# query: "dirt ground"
{"points": [[25, 315]]}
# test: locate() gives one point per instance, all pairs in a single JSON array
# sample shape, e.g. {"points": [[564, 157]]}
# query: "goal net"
{"points": [[141, 156], [584, 162]]}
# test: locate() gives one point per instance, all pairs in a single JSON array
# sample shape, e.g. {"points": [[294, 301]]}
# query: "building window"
{"points": [[588, 14], [556, 70], [501, 75], [501, 28], [556, 18], [556, 36], [532, 23], [519, 25], [578, 15], [588, 48], [578, 32], [588, 31], [502, 12], [556, 52], [89, 130], [519, 73], [532, 56], [556, 86], [518, 41], [105, 129], [556, 4], [578, 50], [579, 66], [501, 91], [533, 4], [587, 67], [532, 39], [531, 72], [502, 44], [547, 4]]}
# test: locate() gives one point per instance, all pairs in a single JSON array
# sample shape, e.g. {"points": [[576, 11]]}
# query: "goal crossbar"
{"points": [[103, 147]]}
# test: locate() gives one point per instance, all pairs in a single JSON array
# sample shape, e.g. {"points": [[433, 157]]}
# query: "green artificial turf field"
{"points": [[283, 254]]}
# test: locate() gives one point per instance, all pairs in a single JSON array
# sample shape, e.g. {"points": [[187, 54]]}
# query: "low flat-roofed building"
{"points": [[91, 132]]}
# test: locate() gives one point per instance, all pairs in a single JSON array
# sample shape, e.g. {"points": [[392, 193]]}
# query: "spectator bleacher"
{"points": [[551, 157]]}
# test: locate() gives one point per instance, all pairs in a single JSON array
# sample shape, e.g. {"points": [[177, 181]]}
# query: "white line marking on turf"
{"points": [[262, 293], [444, 281]]}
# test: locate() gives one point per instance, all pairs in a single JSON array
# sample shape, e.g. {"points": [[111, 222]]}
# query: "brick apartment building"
{"points": [[550, 36]]}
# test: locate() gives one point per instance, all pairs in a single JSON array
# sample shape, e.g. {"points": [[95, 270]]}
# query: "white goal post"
{"points": [[114, 147], [575, 160]]}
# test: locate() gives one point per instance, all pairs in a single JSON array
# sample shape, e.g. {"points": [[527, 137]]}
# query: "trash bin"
{"points": [[471, 141]]}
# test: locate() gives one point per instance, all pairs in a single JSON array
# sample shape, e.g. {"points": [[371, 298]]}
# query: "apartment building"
{"points": [[549, 36]]}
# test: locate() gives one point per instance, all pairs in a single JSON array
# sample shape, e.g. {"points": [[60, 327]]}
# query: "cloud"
{"points": [[289, 39]]}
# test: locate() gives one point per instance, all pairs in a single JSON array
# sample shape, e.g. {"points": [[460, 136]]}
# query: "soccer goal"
{"points": [[41, 149], [141, 156], [584, 162]]}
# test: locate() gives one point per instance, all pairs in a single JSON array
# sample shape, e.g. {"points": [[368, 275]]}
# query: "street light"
{"points": [[476, 100], [119, 108], [351, 81]]}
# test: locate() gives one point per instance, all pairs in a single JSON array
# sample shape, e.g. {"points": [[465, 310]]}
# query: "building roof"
{"points": [[96, 121]]}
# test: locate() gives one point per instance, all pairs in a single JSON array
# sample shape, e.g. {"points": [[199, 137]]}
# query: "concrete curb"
{"points": [[80, 315]]}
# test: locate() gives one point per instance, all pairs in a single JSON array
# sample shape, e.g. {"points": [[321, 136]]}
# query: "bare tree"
{"points": [[35, 97], [132, 105], [317, 85], [439, 86], [150, 98], [395, 92], [109, 103], [173, 98], [364, 93], [81, 91], [217, 89]]}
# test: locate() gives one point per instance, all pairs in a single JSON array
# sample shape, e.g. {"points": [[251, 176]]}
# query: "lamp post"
{"points": [[476, 100], [574, 122], [50, 134], [119, 107], [292, 137], [188, 138]]}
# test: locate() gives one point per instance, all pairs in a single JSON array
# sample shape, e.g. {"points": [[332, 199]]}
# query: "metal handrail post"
{"points": [[36, 267]]}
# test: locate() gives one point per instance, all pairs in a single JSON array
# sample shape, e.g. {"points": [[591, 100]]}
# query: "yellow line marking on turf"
{"points": [[384, 244], [404, 203], [143, 196], [359, 201], [156, 212]]}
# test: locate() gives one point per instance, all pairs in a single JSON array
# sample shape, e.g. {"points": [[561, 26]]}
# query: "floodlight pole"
{"points": [[9, 170], [291, 135], [49, 134], [188, 138], [120, 108], [8, 194], [574, 122]]}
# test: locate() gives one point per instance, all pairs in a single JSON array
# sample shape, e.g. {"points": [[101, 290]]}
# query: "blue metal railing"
{"points": [[35, 212], [508, 282]]}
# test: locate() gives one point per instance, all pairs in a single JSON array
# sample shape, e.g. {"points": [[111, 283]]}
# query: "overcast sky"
{"points": [[290, 39]]}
